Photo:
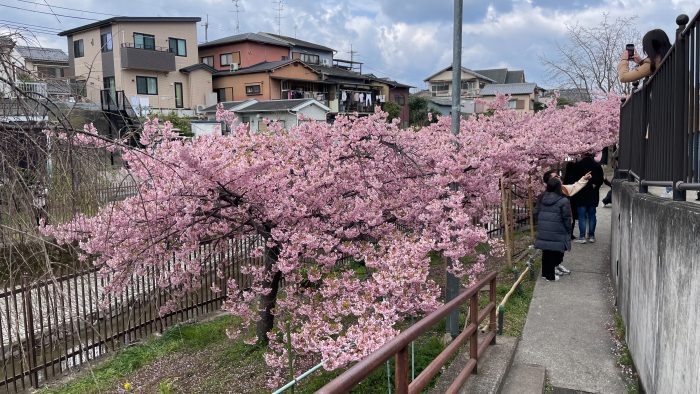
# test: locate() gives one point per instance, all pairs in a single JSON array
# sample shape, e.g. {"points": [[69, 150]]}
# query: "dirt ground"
{"points": [[214, 369]]}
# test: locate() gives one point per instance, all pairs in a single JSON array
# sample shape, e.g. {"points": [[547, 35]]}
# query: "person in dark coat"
{"points": [[553, 213], [588, 198]]}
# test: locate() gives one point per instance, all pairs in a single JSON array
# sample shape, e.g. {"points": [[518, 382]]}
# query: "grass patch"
{"points": [[200, 358], [111, 373], [624, 357], [519, 302]]}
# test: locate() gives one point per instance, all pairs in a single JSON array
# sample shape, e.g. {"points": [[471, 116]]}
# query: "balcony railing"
{"points": [[35, 89], [660, 122], [144, 47], [147, 58]]}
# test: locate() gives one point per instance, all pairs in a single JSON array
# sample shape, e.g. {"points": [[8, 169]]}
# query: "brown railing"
{"points": [[399, 346]]}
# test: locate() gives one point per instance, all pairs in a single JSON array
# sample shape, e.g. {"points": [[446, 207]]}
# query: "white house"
{"points": [[288, 113]]}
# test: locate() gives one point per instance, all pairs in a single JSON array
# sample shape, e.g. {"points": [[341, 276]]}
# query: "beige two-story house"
{"points": [[481, 84], [154, 61]]}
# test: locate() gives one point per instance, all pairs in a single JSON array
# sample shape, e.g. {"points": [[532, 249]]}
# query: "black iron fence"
{"points": [[660, 121]]}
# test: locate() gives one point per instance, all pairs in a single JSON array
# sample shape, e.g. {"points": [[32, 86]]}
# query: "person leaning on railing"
{"points": [[655, 45]]}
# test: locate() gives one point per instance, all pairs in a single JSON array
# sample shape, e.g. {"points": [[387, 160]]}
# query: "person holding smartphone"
{"points": [[655, 45]]}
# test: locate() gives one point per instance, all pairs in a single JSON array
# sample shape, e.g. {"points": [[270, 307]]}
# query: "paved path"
{"points": [[567, 326]]}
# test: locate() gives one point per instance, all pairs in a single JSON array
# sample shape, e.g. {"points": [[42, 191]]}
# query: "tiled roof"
{"points": [[298, 42], [464, 69], [508, 88], [228, 105], [517, 76], [503, 75], [40, 54], [278, 105], [256, 68], [498, 75], [255, 37]]}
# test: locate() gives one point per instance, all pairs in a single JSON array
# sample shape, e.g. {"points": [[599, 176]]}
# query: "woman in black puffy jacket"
{"points": [[553, 213]]}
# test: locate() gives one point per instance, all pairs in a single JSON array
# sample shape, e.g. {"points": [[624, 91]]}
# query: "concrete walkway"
{"points": [[567, 326]]}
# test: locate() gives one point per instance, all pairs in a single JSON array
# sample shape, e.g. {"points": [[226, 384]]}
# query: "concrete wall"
{"points": [[655, 265]]}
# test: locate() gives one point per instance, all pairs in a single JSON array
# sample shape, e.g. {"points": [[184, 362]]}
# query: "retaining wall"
{"points": [[655, 266]]}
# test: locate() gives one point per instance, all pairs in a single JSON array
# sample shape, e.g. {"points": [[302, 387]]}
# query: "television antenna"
{"points": [[279, 5]]}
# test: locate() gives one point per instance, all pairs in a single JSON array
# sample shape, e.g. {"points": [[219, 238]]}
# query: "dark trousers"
{"points": [[550, 259]]}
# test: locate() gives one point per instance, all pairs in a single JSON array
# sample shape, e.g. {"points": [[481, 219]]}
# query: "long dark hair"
{"points": [[655, 45], [554, 185]]}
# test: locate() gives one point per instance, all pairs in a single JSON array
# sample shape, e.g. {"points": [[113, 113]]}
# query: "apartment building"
{"points": [[154, 61]]}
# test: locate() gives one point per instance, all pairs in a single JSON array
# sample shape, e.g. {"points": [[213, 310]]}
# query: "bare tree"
{"points": [[588, 59]]}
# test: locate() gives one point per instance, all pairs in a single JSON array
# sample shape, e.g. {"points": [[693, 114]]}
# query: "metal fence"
{"points": [[659, 122], [55, 324]]}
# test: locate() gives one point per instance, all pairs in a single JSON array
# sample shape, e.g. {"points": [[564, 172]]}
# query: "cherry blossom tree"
{"points": [[317, 195]]}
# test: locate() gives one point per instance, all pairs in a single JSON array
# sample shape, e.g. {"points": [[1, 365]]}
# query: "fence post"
{"points": [[29, 330], [492, 314], [474, 338], [401, 378], [504, 217], [680, 129]]}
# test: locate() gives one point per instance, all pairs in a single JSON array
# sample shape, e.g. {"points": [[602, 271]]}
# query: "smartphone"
{"points": [[630, 51]]}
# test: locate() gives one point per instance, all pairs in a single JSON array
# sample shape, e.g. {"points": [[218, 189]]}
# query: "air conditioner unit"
{"points": [[233, 67]]}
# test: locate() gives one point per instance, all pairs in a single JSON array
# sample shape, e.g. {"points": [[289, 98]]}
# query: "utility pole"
{"points": [[452, 285], [206, 29]]}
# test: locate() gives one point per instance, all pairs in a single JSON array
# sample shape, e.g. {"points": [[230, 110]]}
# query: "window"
{"points": [[208, 60], [147, 85], [252, 90], [512, 104], [400, 99], [78, 49], [439, 88], [220, 95], [144, 41], [311, 59], [469, 85], [106, 42], [226, 59], [178, 46]]}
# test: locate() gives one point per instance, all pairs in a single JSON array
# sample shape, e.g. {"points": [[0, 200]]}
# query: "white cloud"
{"points": [[405, 40]]}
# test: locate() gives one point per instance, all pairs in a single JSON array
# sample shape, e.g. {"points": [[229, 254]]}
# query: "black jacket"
{"points": [[553, 213], [588, 196]]}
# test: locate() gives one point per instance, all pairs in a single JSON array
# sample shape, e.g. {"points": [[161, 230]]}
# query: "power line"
{"points": [[28, 24], [48, 13], [66, 8], [37, 32], [26, 27]]}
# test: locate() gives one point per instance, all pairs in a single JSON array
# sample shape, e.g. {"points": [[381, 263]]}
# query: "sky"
{"points": [[406, 40]]}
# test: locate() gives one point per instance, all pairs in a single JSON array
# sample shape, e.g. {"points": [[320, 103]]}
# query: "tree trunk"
{"points": [[268, 302]]}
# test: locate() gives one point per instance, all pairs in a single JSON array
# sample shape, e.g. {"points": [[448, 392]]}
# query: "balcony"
{"points": [[152, 59]]}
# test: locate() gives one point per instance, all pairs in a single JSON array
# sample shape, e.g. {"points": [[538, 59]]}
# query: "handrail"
{"points": [[398, 346]]}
